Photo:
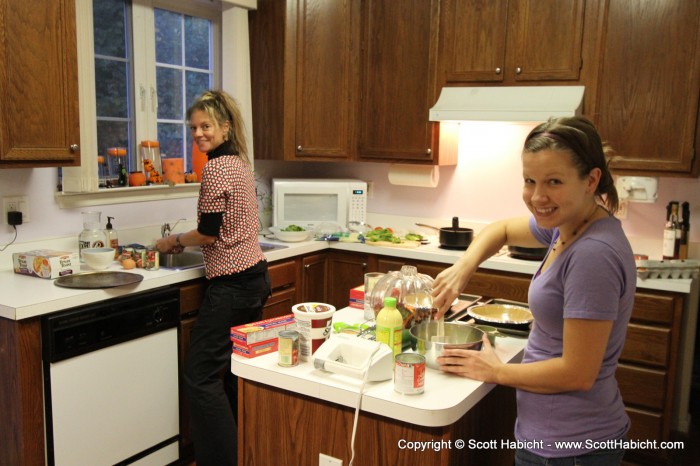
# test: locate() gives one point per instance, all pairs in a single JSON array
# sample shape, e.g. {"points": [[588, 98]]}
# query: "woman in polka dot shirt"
{"points": [[239, 285]]}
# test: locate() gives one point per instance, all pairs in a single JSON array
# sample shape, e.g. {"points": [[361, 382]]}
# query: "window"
{"points": [[151, 61], [231, 71]]}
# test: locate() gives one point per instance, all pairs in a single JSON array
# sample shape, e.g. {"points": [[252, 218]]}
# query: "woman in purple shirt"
{"points": [[569, 406]]}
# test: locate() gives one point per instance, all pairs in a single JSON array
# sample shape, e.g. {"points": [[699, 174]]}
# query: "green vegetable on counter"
{"points": [[293, 228], [414, 237]]}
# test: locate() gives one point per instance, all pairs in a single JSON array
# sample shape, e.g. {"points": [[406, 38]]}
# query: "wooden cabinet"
{"points": [[330, 84], [648, 86], [284, 277], [398, 81], [346, 270], [647, 371], [39, 121], [511, 41], [314, 271]]}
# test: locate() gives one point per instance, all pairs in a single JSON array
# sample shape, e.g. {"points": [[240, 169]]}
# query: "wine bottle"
{"points": [[672, 234]]}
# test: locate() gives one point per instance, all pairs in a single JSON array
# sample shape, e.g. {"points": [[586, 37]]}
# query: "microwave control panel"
{"points": [[358, 205]]}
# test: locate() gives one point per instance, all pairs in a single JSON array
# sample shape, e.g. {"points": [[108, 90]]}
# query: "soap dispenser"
{"points": [[112, 239]]}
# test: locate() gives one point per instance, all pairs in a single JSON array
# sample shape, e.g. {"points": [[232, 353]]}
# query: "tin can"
{"points": [[288, 348], [409, 373], [140, 257], [151, 260]]}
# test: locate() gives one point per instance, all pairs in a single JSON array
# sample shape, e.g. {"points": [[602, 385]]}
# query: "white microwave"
{"points": [[308, 202]]}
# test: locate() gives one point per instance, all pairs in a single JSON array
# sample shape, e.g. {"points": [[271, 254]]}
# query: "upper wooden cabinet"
{"points": [[511, 41], [345, 80], [648, 85], [39, 121], [398, 81]]}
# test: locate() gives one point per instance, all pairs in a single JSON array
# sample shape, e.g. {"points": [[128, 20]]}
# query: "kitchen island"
{"points": [[309, 411]]}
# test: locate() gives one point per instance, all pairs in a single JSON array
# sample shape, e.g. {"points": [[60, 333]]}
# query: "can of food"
{"points": [[288, 348], [151, 260], [409, 373], [140, 257]]}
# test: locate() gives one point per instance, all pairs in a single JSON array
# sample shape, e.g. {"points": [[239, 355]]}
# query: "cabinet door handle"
{"points": [[428, 151], [74, 148], [498, 71], [518, 70], [307, 266], [299, 148], [364, 265]]}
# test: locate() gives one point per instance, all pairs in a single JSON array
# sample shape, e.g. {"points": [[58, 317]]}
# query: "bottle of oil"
{"points": [[390, 325]]}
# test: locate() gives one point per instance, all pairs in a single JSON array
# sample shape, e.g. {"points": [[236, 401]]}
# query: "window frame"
{"points": [[80, 184]]}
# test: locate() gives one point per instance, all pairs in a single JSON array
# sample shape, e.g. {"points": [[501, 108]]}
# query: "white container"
{"points": [[98, 258], [313, 324]]}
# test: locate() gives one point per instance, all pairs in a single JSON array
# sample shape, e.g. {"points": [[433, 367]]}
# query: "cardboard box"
{"points": [[256, 349], [357, 297], [256, 332], [46, 263]]}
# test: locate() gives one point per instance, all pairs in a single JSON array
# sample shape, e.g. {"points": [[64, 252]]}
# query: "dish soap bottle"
{"points": [[112, 239], [91, 236], [390, 325]]}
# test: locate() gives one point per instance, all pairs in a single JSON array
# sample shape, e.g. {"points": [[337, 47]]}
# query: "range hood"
{"points": [[516, 103]]}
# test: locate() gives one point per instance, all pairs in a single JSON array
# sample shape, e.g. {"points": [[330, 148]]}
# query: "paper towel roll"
{"points": [[423, 176]]}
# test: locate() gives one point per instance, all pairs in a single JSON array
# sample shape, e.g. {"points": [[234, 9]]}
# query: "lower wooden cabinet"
{"points": [[314, 278]]}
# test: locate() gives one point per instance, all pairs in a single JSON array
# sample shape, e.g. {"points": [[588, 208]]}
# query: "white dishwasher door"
{"points": [[117, 402]]}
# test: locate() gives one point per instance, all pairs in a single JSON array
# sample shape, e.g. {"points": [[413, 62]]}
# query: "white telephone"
{"points": [[352, 356]]}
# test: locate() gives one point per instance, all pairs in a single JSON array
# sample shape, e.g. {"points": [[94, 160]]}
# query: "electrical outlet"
{"points": [[15, 204], [325, 460]]}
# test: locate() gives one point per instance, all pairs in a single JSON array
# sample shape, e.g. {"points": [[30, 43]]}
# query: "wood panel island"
{"points": [[308, 411]]}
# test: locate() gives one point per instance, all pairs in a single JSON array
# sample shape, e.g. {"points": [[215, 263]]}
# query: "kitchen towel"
{"points": [[423, 176]]}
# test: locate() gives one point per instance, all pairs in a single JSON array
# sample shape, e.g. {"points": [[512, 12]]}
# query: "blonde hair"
{"points": [[222, 108]]}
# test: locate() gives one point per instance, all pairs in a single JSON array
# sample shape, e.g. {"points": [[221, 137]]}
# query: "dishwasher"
{"points": [[111, 381]]}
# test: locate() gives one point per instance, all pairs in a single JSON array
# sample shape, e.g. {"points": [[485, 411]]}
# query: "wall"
{"points": [[484, 186]]}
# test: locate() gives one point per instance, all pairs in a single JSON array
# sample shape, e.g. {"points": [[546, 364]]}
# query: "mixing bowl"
{"points": [[291, 236], [98, 258], [456, 336]]}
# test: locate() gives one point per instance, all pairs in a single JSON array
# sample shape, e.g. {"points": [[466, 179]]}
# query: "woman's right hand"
{"points": [[447, 286]]}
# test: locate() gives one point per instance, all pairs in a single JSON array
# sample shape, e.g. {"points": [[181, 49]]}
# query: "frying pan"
{"points": [[532, 254], [453, 237]]}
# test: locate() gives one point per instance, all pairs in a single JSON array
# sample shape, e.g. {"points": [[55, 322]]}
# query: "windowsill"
{"points": [[127, 195]]}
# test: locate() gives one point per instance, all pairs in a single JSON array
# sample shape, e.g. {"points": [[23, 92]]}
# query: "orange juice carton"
{"points": [[256, 332], [46, 263]]}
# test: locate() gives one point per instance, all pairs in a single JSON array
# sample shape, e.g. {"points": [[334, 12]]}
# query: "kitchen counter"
{"points": [[310, 412], [23, 296], [445, 400]]}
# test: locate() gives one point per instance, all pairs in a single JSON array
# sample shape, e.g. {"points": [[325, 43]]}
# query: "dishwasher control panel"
{"points": [[88, 328]]}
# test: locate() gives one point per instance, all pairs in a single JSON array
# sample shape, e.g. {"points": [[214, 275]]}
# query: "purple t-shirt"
{"points": [[593, 278]]}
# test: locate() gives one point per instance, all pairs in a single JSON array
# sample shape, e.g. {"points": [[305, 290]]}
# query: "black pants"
{"points": [[213, 401]]}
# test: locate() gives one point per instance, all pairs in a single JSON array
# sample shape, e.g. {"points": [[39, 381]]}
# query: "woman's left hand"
{"points": [[478, 365]]}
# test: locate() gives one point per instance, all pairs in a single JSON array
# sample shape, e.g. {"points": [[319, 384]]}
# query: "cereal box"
{"points": [[256, 349], [357, 297], [256, 332], [46, 263]]}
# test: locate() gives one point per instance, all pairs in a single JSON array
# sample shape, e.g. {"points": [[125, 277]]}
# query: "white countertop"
{"points": [[446, 397], [23, 296]]}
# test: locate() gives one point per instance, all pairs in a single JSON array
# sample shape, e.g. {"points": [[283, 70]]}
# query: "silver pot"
{"points": [[456, 336]]}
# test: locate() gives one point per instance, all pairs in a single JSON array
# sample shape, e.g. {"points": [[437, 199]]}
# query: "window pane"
{"points": [[197, 40], [169, 82], [196, 83], [109, 27], [168, 27], [171, 137], [111, 81], [112, 134]]}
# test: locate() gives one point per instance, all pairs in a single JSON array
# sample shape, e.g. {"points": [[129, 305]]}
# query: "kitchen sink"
{"points": [[266, 247], [183, 260]]}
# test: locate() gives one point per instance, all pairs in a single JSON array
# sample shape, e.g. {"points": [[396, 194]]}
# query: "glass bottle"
{"points": [[92, 235], [672, 234]]}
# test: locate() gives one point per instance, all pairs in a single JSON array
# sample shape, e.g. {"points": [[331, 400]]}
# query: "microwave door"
{"points": [[313, 208]]}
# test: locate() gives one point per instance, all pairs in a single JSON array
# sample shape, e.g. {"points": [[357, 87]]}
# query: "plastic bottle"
{"points": [[390, 325], [112, 239], [92, 235]]}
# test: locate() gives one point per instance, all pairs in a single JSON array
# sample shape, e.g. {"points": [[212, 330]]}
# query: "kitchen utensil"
{"points": [[457, 336], [291, 236], [531, 254], [352, 356], [453, 237], [98, 258], [501, 315], [93, 280]]}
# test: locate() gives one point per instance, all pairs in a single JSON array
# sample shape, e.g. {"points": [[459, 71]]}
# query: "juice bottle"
{"points": [[390, 325]]}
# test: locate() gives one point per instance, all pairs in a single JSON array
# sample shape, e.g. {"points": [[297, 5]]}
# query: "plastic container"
{"points": [[112, 237], [390, 326], [313, 324], [152, 164], [412, 291]]}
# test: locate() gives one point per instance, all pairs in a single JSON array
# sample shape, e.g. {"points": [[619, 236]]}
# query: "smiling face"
{"points": [[207, 134], [554, 191]]}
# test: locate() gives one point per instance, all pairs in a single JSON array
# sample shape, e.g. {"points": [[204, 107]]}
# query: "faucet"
{"points": [[166, 229]]}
